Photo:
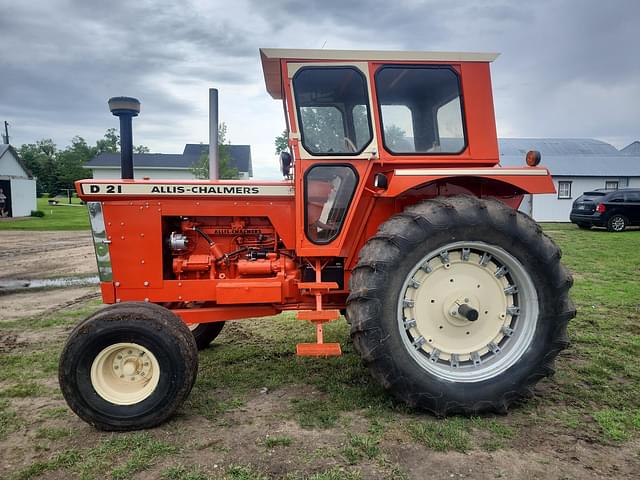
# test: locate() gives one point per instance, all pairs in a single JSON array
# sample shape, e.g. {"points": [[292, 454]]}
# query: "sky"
{"points": [[568, 68]]}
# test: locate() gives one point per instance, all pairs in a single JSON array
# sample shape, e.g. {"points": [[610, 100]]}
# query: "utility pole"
{"points": [[6, 132]]}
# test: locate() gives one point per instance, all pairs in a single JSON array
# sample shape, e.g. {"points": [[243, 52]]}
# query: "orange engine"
{"points": [[224, 248]]}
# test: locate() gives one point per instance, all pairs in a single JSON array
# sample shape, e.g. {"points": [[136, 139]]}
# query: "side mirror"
{"points": [[380, 180], [285, 163]]}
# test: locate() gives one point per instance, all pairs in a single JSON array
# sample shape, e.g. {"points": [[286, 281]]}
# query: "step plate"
{"points": [[318, 350], [318, 315]]}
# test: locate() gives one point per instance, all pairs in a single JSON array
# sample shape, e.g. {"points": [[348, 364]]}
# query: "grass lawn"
{"points": [[258, 412], [58, 217]]}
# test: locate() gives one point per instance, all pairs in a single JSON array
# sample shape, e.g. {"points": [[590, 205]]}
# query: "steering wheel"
{"points": [[349, 145]]}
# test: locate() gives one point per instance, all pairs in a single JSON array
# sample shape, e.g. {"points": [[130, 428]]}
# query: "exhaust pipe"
{"points": [[213, 133], [126, 108]]}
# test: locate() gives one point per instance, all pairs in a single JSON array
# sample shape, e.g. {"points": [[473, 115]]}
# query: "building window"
{"points": [[611, 185], [564, 189]]}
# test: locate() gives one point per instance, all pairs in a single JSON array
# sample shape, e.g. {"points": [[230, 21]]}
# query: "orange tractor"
{"points": [[393, 210]]}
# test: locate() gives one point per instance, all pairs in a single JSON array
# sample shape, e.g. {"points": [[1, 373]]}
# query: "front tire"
{"points": [[460, 305], [128, 366], [205, 333]]}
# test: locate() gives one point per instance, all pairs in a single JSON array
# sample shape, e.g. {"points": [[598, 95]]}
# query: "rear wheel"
{"points": [[205, 333], [129, 366], [617, 223], [460, 305]]}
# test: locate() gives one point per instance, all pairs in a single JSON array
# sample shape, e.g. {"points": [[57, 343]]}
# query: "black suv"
{"points": [[614, 209]]}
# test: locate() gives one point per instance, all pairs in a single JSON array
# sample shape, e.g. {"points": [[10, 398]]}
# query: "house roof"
{"points": [[147, 160], [572, 157], [273, 74], [240, 158], [4, 148], [632, 149]]}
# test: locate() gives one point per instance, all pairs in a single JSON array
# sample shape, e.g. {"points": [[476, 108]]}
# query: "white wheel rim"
{"points": [[125, 373], [487, 279], [618, 223]]}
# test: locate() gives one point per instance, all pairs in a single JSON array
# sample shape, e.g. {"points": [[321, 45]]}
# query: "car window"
{"points": [[616, 198], [633, 197]]}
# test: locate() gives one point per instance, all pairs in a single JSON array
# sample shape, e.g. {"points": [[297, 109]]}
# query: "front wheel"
{"points": [[460, 305], [127, 367]]}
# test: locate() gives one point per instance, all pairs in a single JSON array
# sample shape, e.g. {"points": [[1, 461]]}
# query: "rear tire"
{"points": [[205, 333], [424, 262], [127, 367], [617, 223]]}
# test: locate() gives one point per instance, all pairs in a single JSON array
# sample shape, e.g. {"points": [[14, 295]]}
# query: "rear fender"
{"points": [[525, 179]]}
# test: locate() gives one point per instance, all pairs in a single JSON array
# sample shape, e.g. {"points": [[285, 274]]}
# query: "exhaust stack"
{"points": [[126, 108], [213, 133]]}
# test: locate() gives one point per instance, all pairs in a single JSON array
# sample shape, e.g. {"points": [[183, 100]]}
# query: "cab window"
{"points": [[328, 193], [333, 110], [420, 110]]}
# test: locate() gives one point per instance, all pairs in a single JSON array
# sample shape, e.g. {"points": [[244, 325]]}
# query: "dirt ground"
{"points": [[235, 430], [29, 255], [41, 255]]}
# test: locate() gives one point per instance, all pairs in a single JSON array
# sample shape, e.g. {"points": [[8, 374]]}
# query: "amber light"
{"points": [[533, 158]]}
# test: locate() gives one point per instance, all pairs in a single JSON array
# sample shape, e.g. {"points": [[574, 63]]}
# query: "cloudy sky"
{"points": [[567, 68]]}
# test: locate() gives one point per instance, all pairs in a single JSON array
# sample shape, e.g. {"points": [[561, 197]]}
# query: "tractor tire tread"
{"points": [[414, 225]]}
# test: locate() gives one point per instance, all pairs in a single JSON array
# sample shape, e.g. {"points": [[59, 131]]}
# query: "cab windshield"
{"points": [[333, 110]]}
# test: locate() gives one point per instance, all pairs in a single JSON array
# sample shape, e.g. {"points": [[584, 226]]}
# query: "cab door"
{"points": [[334, 141]]}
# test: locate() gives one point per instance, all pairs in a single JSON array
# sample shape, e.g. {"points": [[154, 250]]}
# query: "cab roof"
{"points": [[271, 60]]}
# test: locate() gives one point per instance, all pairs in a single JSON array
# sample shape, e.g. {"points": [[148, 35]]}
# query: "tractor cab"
{"points": [[361, 122], [385, 105]]}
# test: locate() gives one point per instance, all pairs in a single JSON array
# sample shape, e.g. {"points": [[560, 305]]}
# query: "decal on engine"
{"points": [[185, 189]]}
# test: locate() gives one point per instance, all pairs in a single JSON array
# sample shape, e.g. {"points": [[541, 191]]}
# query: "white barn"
{"points": [[577, 166], [17, 186]]}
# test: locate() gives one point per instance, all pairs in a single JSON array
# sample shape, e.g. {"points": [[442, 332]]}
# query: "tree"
{"points": [[226, 171], [40, 160], [396, 138], [140, 149], [110, 143], [57, 170], [282, 142], [70, 163]]}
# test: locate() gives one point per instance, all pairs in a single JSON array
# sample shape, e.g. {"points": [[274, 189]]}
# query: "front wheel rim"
{"points": [[485, 278], [125, 373]]}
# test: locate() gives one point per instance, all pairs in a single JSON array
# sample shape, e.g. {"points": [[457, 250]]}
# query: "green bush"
{"points": [[37, 213]]}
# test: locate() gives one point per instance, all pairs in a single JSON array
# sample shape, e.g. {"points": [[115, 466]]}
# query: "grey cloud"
{"points": [[568, 67]]}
